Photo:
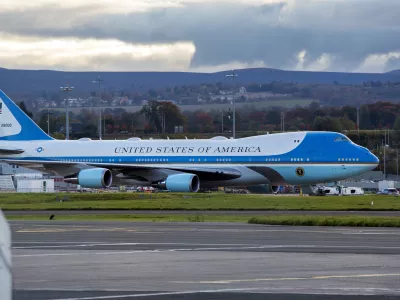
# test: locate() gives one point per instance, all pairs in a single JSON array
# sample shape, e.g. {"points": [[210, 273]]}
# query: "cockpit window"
{"points": [[341, 139]]}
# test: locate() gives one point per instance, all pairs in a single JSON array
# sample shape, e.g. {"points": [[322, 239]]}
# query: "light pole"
{"points": [[48, 121], [67, 89], [233, 76], [99, 82], [358, 122], [385, 145], [397, 164], [222, 121]]}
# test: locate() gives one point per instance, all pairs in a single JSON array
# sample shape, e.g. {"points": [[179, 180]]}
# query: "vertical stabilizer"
{"points": [[15, 125]]}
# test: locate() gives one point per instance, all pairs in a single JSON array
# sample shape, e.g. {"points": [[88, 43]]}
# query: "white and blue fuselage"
{"points": [[301, 158]]}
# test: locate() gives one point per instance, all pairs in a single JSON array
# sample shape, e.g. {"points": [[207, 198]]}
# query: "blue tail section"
{"points": [[15, 125]]}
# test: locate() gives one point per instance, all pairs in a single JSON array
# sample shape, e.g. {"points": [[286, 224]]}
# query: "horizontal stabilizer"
{"points": [[9, 151]]}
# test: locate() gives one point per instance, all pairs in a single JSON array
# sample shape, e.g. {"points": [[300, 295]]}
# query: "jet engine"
{"points": [[95, 178], [181, 183], [275, 189]]}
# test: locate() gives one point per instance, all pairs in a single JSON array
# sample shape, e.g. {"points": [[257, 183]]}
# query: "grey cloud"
{"points": [[274, 34]]}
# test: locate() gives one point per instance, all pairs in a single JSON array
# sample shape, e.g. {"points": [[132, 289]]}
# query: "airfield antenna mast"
{"points": [[233, 76], [67, 89], [99, 81]]}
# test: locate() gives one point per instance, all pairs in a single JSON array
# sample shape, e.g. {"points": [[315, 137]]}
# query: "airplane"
{"points": [[293, 158]]}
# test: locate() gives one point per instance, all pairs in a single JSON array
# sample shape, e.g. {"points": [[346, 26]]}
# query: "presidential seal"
{"points": [[300, 172]]}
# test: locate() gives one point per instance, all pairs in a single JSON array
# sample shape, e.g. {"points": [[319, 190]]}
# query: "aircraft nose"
{"points": [[373, 158], [369, 156]]}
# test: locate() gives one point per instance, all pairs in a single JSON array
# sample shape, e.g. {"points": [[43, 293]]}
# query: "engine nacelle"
{"points": [[95, 178], [276, 189], [181, 183]]}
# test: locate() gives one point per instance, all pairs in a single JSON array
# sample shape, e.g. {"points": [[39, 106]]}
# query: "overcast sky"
{"points": [[205, 36]]}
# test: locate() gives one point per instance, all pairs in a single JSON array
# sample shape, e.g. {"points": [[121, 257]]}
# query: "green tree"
{"points": [[396, 128], [327, 124], [396, 125], [350, 112], [365, 117], [22, 106], [347, 124], [155, 111], [58, 136]]}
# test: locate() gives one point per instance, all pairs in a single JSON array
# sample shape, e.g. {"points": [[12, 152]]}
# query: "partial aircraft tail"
{"points": [[15, 125]]}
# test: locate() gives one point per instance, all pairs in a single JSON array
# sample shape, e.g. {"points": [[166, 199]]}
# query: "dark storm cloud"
{"points": [[347, 31]]}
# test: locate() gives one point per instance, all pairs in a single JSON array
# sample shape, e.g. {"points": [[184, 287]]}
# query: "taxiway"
{"points": [[109, 260]]}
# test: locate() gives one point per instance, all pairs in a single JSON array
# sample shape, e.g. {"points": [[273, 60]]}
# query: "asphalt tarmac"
{"points": [[110, 260]]}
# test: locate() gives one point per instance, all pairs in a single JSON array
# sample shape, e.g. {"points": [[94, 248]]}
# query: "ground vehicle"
{"points": [[389, 191]]}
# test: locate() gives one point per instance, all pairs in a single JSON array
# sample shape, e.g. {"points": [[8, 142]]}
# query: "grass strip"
{"points": [[192, 202], [346, 221], [136, 218]]}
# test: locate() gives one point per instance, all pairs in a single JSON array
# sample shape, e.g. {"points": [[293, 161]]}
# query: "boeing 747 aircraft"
{"points": [[295, 158]]}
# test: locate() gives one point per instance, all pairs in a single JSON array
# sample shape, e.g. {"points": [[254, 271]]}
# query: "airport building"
{"points": [[23, 180]]}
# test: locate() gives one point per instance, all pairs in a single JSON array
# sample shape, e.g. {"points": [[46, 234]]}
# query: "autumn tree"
{"points": [[156, 111]]}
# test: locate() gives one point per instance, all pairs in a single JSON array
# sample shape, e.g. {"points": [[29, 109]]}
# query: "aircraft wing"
{"points": [[207, 173]]}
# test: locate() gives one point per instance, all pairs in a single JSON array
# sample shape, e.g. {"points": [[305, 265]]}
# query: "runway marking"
{"points": [[50, 230], [139, 251], [290, 278], [360, 291], [245, 247], [71, 245], [158, 229], [40, 230], [371, 233]]}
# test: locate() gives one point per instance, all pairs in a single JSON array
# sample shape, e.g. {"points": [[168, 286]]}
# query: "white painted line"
{"points": [[360, 291], [71, 245], [141, 251], [159, 294], [347, 247], [291, 278], [371, 233]]}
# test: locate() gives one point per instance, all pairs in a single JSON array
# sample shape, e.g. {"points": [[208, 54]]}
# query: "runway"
{"points": [[204, 212], [109, 260]]}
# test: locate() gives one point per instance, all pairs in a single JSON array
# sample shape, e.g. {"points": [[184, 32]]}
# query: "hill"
{"points": [[39, 80]]}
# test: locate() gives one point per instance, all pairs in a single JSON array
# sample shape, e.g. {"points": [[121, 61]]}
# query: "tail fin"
{"points": [[15, 125]]}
